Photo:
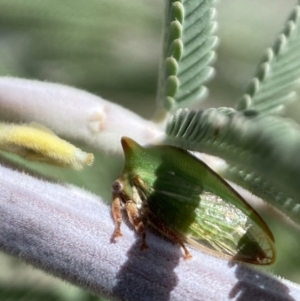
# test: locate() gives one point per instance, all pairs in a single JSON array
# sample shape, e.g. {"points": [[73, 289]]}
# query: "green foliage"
{"points": [[261, 150], [188, 51], [98, 46], [278, 73]]}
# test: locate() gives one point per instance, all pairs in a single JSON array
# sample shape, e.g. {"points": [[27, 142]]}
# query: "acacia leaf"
{"points": [[188, 53], [278, 73]]}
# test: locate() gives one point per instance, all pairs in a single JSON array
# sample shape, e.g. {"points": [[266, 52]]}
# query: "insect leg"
{"points": [[156, 223], [166, 231], [134, 218], [117, 216]]}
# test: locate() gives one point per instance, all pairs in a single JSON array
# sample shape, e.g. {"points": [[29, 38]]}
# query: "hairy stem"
{"points": [[67, 232]]}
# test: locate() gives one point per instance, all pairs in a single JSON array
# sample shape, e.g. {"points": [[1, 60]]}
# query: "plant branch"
{"points": [[66, 232], [73, 114]]}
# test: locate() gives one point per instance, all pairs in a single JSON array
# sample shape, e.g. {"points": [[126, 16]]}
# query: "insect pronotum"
{"points": [[172, 191]]}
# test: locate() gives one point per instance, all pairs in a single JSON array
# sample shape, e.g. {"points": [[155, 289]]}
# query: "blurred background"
{"points": [[112, 48]]}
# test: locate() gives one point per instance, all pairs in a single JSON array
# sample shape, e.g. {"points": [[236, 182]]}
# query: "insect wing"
{"points": [[221, 227], [208, 222]]}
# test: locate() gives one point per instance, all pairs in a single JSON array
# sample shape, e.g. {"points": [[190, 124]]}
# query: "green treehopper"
{"points": [[172, 191]]}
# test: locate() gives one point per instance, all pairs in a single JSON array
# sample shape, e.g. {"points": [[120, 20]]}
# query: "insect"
{"points": [[170, 190]]}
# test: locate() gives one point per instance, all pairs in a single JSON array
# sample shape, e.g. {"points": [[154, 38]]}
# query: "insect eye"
{"points": [[117, 186]]}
